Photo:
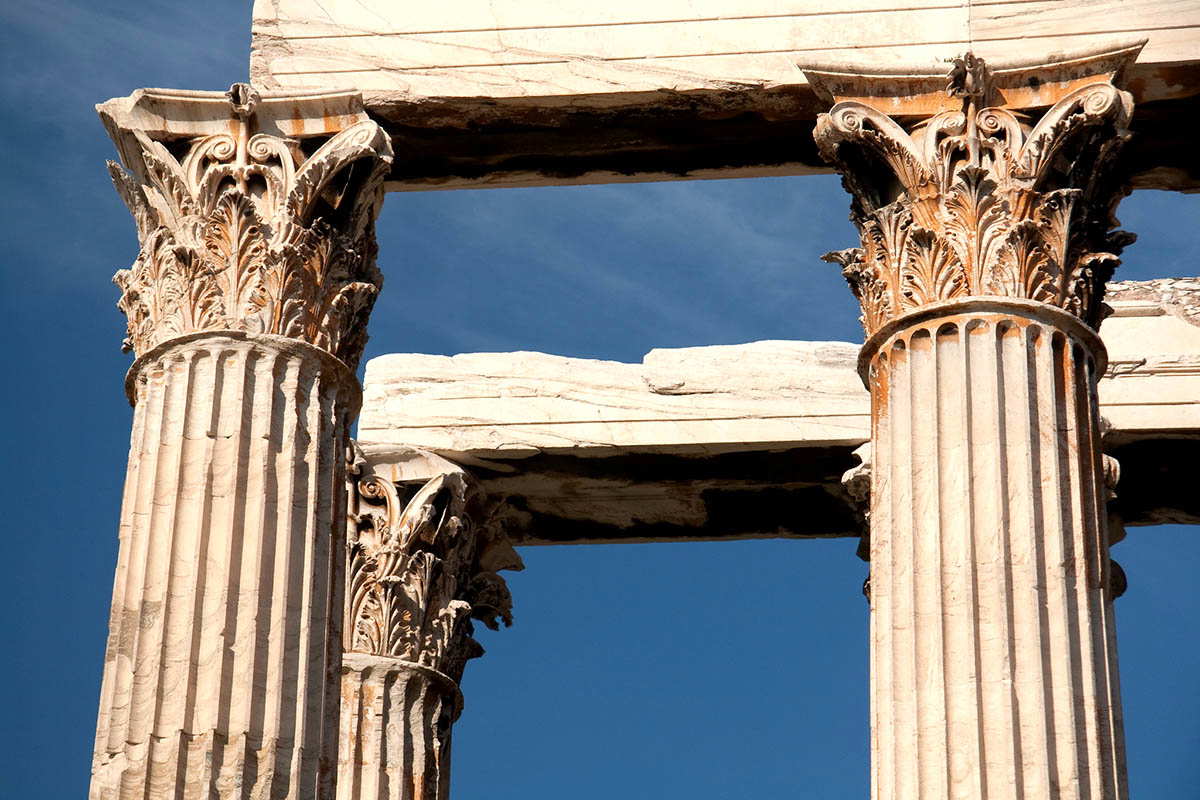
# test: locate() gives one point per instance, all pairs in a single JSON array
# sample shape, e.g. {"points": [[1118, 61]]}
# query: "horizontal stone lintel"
{"points": [[514, 93], [737, 441]]}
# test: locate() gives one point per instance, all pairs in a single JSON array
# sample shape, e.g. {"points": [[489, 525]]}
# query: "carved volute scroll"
{"points": [[980, 199], [244, 229], [422, 562]]}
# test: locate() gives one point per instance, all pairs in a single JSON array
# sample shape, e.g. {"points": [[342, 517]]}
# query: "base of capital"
{"points": [[273, 344], [370, 666], [936, 315]]}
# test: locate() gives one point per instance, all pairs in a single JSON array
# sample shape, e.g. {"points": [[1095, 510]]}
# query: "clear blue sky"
{"points": [[707, 671]]}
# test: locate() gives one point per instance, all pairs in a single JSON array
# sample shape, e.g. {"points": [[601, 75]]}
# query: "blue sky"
{"points": [[711, 671]]}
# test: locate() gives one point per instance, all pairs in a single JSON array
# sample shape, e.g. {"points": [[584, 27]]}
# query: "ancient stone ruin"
{"points": [[973, 443]]}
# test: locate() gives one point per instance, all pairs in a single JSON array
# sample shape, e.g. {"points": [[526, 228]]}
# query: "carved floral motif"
{"points": [[245, 232], [985, 201], [420, 566]]}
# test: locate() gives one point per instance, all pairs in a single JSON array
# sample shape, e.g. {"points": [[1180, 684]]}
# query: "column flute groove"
{"points": [[986, 246], [181, 564]]}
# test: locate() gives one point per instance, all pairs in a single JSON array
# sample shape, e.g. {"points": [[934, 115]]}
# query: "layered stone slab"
{"points": [[703, 400], [746, 440], [515, 48], [520, 93], [699, 442]]}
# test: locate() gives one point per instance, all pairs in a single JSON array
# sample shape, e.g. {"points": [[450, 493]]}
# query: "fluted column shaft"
{"points": [[221, 673], [397, 718], [993, 654]]}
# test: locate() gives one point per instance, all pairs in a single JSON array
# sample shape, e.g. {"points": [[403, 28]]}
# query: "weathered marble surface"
{"points": [[513, 93], [220, 671], [698, 399], [1153, 342], [993, 642], [516, 48]]}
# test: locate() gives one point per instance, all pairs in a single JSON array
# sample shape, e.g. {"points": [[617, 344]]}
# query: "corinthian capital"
{"points": [[1001, 183], [254, 214], [422, 562]]}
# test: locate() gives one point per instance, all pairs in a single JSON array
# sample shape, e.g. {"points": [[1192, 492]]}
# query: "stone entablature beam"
{"points": [[986, 217], [510, 93], [751, 440], [247, 309]]}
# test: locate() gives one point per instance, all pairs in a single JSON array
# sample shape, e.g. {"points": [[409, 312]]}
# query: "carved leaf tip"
{"points": [[844, 258], [969, 76]]}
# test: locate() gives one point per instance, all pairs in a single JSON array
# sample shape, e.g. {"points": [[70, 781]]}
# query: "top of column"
{"points": [[980, 182], [255, 213]]}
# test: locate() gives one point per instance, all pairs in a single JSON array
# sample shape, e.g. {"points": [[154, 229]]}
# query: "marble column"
{"points": [[422, 562], [986, 212], [246, 309]]}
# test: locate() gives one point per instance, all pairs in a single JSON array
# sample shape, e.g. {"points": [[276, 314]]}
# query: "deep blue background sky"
{"points": [[733, 670]]}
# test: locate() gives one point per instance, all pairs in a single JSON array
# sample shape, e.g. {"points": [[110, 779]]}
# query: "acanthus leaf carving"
{"points": [[932, 269], [422, 562], [982, 201], [246, 233]]}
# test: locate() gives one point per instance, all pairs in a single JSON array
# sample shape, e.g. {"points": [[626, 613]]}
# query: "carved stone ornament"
{"points": [[856, 482], [981, 199], [246, 230], [421, 564]]}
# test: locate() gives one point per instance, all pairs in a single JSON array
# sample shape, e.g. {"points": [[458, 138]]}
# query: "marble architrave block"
{"points": [[521, 93], [736, 398], [566, 54]]}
